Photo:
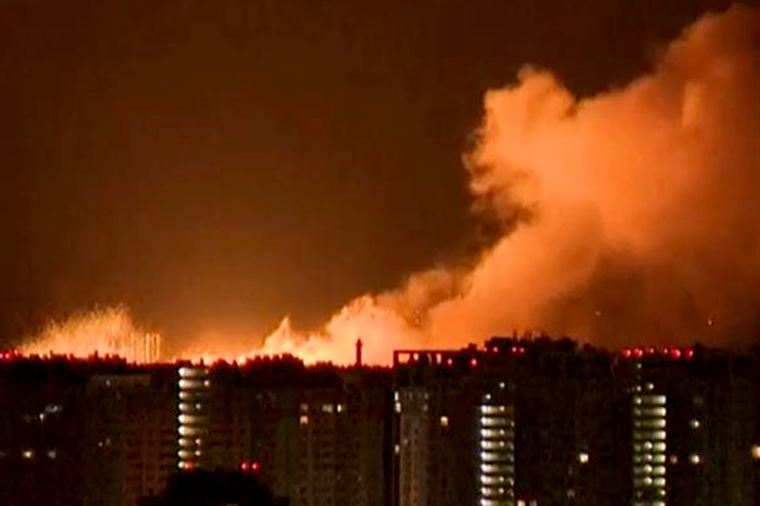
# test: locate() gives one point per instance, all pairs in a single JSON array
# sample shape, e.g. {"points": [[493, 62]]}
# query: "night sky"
{"points": [[217, 165]]}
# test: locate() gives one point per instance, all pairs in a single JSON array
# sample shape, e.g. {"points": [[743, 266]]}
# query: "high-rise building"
{"points": [[130, 445], [317, 436], [193, 420], [41, 432], [84, 432], [532, 421], [692, 426], [518, 422], [494, 426]]}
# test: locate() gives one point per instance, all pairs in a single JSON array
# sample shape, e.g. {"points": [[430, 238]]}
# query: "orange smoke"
{"points": [[640, 213], [643, 203], [631, 216]]}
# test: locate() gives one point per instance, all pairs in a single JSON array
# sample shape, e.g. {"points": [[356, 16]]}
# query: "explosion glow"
{"points": [[630, 216], [109, 331]]}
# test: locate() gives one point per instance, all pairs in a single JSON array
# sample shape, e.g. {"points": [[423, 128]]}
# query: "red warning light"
{"points": [[688, 353], [244, 466], [255, 466], [638, 353], [474, 362], [626, 353], [675, 353]]}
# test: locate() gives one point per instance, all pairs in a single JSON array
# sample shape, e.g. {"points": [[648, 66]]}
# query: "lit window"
{"points": [[756, 452], [444, 421], [327, 408], [583, 457], [304, 420], [28, 454], [694, 423], [52, 454], [695, 459]]}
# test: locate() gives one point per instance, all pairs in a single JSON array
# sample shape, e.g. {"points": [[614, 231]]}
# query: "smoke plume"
{"points": [[638, 213], [632, 216]]}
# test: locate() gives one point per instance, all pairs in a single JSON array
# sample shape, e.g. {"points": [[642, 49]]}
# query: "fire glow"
{"points": [[626, 214]]}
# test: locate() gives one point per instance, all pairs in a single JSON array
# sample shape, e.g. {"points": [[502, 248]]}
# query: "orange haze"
{"points": [[630, 216]]}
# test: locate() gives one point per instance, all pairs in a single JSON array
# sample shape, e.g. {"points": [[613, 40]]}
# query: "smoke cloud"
{"points": [[642, 204], [628, 217], [632, 216]]}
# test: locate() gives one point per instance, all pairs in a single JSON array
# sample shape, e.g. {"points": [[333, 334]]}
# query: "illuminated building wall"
{"points": [[193, 420], [649, 446], [496, 472], [692, 426], [413, 445]]}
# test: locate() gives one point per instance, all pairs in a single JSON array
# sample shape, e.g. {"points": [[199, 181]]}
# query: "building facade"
{"points": [[518, 422]]}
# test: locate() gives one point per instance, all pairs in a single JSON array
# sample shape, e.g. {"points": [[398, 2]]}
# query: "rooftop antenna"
{"points": [[359, 345]]}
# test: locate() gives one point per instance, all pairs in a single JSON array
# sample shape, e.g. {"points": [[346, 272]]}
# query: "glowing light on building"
{"points": [[497, 456], [649, 446], [192, 426]]}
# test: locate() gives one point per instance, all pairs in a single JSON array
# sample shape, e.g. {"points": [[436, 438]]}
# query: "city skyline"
{"points": [[520, 421], [395, 253]]}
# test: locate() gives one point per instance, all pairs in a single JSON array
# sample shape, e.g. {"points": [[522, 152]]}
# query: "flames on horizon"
{"points": [[106, 332], [630, 216]]}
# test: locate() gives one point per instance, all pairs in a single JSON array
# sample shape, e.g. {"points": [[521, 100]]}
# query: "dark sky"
{"points": [[215, 165]]}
